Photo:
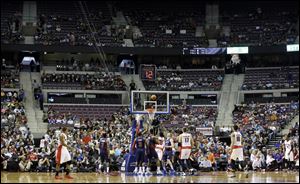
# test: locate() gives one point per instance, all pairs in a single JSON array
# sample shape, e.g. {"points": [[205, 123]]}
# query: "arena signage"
{"points": [[203, 51], [237, 50], [205, 131], [292, 48], [153, 51]]}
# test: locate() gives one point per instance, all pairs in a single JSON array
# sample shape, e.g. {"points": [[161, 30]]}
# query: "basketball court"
{"points": [[210, 177]]}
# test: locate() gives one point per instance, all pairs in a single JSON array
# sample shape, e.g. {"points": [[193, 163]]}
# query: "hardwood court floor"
{"points": [[211, 177]]}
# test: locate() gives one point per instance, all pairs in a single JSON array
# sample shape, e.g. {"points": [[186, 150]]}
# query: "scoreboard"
{"points": [[203, 51], [148, 72]]}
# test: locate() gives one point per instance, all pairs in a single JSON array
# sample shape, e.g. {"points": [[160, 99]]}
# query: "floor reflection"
{"points": [[213, 177]]}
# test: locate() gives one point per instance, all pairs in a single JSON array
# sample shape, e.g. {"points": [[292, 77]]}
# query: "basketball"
{"points": [[153, 97]]}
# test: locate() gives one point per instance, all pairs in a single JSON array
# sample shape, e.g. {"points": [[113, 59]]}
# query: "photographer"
{"points": [[43, 164], [25, 164]]}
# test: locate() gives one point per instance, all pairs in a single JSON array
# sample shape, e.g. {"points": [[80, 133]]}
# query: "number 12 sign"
{"points": [[148, 72]]}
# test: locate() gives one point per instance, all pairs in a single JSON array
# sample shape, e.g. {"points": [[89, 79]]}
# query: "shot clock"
{"points": [[148, 72]]}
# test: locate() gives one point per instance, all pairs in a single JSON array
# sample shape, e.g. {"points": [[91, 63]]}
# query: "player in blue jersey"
{"points": [[168, 152], [104, 152], [139, 146], [152, 154]]}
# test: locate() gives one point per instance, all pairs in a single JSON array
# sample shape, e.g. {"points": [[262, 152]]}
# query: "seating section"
{"points": [[60, 27], [272, 99], [108, 100], [263, 120], [166, 26], [69, 100], [183, 80], [194, 116], [105, 99], [13, 111], [93, 65], [91, 111], [183, 116], [79, 81], [10, 78], [259, 24], [275, 78], [11, 21], [193, 101]]}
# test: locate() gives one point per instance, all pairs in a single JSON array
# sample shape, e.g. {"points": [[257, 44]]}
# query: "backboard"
{"points": [[140, 101]]}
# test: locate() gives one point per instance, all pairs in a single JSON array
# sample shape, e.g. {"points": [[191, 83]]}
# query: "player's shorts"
{"points": [[62, 155], [185, 153], [159, 153], [237, 154], [104, 157], [152, 154], [289, 155], [140, 155], [168, 155]]}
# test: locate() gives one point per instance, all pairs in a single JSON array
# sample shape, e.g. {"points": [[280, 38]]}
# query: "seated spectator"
{"points": [[269, 85], [33, 157], [25, 164], [205, 164], [279, 159], [43, 163], [211, 158]]}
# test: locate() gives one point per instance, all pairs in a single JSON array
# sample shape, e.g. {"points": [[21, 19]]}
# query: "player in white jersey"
{"points": [[160, 146], [62, 155], [186, 143], [288, 153], [237, 155]]}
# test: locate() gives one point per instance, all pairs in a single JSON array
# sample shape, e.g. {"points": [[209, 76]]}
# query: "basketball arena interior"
{"points": [[150, 91]]}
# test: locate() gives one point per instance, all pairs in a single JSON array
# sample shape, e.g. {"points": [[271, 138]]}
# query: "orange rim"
{"points": [[150, 110]]}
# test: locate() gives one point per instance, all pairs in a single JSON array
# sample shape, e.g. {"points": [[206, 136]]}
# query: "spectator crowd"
{"points": [[174, 80], [101, 81], [20, 152], [10, 78], [271, 78]]}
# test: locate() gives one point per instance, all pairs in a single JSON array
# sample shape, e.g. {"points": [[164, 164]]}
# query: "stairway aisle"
{"points": [[224, 99], [31, 107], [229, 97], [39, 113], [283, 132], [290, 125], [138, 82], [25, 81], [136, 78]]}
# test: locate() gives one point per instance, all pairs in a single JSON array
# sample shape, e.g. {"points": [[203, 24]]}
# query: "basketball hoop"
{"points": [[151, 113]]}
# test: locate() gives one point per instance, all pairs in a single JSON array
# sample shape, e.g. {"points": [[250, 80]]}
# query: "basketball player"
{"points": [[159, 148], [288, 153], [139, 145], [62, 155], [168, 152], [155, 126], [186, 143], [104, 152], [154, 122], [237, 155], [152, 154]]}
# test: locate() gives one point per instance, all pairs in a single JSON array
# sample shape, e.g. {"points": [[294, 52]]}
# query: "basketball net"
{"points": [[151, 114]]}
